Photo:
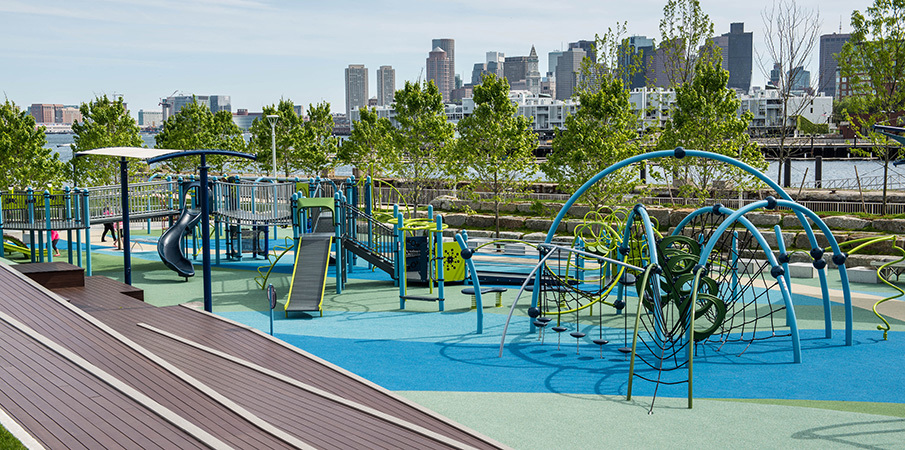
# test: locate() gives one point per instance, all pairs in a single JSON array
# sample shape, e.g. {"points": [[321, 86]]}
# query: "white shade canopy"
{"points": [[129, 152]]}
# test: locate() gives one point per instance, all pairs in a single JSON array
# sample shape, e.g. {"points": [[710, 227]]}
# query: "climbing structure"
{"points": [[712, 280]]}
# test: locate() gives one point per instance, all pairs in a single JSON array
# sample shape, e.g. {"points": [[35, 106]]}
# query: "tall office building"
{"points": [[568, 67], [515, 68], [587, 47], [830, 46], [775, 75], [438, 65], [386, 85], [737, 47], [801, 79], [552, 59], [449, 46], [518, 68], [356, 88], [639, 53]]}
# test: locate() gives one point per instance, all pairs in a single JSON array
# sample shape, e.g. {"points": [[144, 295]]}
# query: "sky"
{"points": [[261, 51]]}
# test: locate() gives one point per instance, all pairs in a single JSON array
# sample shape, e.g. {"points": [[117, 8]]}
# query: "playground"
{"points": [[624, 336]]}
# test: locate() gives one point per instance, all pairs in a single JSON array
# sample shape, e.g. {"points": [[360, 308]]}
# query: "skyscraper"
{"points": [[386, 85], [638, 54], [553, 58], [568, 67], [737, 47], [449, 46], [830, 46], [356, 87], [438, 64]]}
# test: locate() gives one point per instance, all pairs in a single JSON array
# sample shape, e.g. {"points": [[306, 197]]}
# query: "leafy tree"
{"points": [[603, 132], [705, 118], [369, 143], [872, 63], [195, 127], [317, 150], [24, 161], [790, 38], [289, 137], [685, 33], [421, 139], [106, 124], [495, 145]]}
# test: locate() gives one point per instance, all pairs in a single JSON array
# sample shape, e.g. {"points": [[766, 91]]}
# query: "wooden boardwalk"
{"points": [[91, 366]]}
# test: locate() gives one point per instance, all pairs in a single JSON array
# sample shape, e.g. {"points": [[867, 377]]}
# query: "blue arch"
{"points": [[679, 152], [801, 210]]}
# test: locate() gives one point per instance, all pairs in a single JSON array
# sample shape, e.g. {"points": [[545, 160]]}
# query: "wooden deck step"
{"points": [[53, 275]]}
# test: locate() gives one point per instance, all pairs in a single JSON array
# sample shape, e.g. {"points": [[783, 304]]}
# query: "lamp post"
{"points": [[273, 119]]}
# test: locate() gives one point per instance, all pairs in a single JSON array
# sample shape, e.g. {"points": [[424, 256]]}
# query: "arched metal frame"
{"points": [[800, 212]]}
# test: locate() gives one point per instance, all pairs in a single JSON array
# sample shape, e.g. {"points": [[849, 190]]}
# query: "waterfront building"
{"points": [[43, 112], [386, 85], [174, 103], [55, 113], [766, 107], [150, 119], [438, 64], [830, 46], [356, 87], [652, 105], [243, 119]]}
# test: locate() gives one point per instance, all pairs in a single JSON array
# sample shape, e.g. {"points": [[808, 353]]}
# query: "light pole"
{"points": [[273, 119]]}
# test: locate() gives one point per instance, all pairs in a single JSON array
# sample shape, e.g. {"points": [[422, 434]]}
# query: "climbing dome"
{"points": [[712, 281]]}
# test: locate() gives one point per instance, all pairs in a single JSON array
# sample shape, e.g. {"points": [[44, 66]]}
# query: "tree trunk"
{"points": [[885, 175]]}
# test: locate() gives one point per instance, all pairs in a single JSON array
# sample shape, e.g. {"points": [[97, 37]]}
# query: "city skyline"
{"points": [[258, 52]]}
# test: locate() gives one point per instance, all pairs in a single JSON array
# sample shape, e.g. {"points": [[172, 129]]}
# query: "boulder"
{"points": [[764, 219], [512, 222], [455, 220], [896, 226], [479, 221], [846, 223]]}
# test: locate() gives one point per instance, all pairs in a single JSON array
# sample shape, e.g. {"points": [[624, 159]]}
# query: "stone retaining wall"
{"points": [[844, 228]]}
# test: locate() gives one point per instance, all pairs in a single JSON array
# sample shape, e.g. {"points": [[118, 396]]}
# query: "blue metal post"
{"points": [[124, 187], [339, 247], [205, 236], [400, 260], [30, 201], [439, 258], [1, 226], [86, 219], [77, 217], [67, 195], [48, 225]]}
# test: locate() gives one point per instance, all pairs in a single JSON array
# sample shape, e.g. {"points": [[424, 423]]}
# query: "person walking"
{"points": [[108, 226]]}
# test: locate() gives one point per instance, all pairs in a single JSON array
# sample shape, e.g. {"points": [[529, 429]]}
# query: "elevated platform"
{"points": [[92, 367]]}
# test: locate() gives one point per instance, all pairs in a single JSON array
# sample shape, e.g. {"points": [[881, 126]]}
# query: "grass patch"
{"points": [[8, 441]]}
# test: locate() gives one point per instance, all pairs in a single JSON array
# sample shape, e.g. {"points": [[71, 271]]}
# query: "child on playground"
{"points": [[108, 226], [54, 238]]}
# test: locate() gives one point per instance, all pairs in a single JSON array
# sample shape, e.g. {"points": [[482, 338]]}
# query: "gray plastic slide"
{"points": [[169, 246]]}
